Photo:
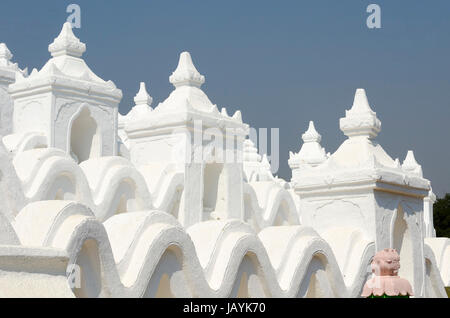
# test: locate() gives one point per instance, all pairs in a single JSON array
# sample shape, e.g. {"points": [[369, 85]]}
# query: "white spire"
{"points": [[265, 162], [410, 164], [311, 152], [142, 97], [360, 102], [6, 64], [360, 120], [256, 167], [311, 135], [250, 152], [142, 109], [5, 55], [67, 43], [186, 74]]}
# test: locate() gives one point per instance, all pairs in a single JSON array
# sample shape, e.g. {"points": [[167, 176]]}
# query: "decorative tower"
{"points": [[256, 168], [141, 110], [142, 107], [310, 155], [8, 73], [67, 103], [410, 164], [361, 189], [187, 134]]}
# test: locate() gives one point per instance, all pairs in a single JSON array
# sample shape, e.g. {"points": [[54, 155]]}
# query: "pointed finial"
{"points": [[5, 62], [238, 116], [251, 152], [410, 164], [311, 135], [142, 109], [311, 153], [410, 160], [142, 97], [5, 55], [360, 102], [360, 120], [224, 112], [67, 43], [186, 74], [265, 162]]}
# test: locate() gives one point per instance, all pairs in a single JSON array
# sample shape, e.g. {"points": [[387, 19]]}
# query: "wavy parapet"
{"points": [[148, 253], [124, 247]]}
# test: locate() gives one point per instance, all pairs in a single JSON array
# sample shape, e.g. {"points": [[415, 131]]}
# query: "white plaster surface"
{"points": [[88, 191]]}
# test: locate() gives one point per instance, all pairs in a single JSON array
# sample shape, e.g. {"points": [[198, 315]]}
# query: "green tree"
{"points": [[441, 216]]}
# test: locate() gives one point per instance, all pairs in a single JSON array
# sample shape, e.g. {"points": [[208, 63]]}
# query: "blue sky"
{"points": [[282, 63]]}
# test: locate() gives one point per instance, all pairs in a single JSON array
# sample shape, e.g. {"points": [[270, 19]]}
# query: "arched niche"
{"points": [[401, 240], [62, 188], [125, 198], [249, 280], [283, 216], [431, 280], [88, 269], [85, 137], [214, 188], [168, 280], [315, 283]]}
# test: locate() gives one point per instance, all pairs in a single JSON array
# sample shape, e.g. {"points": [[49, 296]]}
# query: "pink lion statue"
{"points": [[385, 281]]}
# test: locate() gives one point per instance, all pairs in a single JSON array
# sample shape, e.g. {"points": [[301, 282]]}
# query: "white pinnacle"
{"points": [[311, 152], [251, 152], [410, 164], [67, 43], [142, 109], [360, 102], [5, 55], [5, 62], [142, 97], [186, 74], [360, 120], [311, 135]]}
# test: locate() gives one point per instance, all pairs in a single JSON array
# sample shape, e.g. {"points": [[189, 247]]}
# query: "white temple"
{"points": [[96, 204]]}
